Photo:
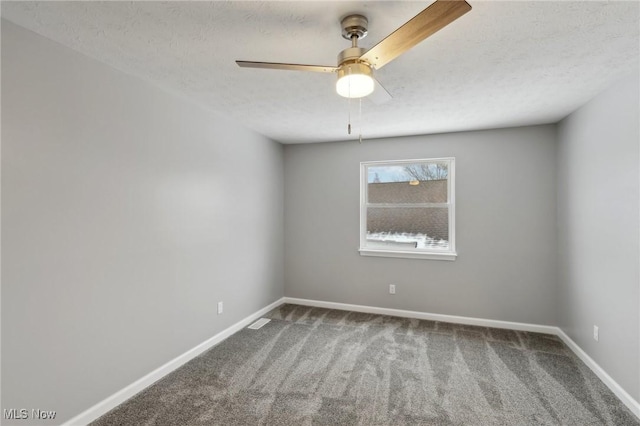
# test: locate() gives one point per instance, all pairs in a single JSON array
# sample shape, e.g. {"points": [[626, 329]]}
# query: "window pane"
{"points": [[408, 227], [405, 208], [408, 183]]}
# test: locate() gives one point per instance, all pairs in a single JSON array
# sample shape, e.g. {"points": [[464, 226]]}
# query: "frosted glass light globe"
{"points": [[354, 80]]}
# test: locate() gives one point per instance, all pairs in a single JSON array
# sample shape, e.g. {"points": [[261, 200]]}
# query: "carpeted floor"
{"points": [[312, 366]]}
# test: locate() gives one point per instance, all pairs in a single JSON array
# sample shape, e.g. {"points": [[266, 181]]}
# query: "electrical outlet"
{"points": [[220, 307], [392, 289], [596, 333]]}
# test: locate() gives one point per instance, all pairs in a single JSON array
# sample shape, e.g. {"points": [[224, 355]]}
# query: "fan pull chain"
{"points": [[354, 43], [349, 124], [360, 121]]}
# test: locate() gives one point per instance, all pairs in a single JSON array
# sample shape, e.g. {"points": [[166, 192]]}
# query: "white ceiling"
{"points": [[502, 64]]}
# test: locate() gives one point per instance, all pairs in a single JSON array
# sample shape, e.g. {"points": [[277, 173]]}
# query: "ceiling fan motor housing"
{"points": [[351, 54]]}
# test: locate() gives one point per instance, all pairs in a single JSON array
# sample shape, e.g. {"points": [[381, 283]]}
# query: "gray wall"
{"points": [[598, 218], [505, 226], [127, 213]]}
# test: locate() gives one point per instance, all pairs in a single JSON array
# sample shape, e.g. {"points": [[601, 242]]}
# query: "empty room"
{"points": [[320, 213]]}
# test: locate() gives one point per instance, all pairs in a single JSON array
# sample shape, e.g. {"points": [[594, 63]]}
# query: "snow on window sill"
{"points": [[408, 254]]}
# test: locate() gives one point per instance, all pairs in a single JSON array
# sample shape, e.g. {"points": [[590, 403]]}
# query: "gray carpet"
{"points": [[312, 366]]}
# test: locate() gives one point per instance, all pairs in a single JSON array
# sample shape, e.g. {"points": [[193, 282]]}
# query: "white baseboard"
{"points": [[121, 396], [626, 399], [623, 395], [425, 316]]}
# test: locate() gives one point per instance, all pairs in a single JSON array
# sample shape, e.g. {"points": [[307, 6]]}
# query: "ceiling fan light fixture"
{"points": [[355, 80]]}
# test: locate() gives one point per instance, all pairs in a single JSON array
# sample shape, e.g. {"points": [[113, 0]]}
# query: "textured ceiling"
{"points": [[502, 64]]}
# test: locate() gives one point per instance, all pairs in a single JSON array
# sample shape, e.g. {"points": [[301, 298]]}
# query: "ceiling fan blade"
{"points": [[380, 95], [435, 17], [290, 67]]}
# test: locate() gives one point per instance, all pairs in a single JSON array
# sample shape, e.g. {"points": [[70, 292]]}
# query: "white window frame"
{"points": [[412, 253]]}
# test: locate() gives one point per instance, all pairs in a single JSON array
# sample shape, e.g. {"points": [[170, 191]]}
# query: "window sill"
{"points": [[408, 254]]}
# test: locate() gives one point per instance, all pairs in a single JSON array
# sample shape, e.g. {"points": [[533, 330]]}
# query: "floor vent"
{"points": [[258, 324]]}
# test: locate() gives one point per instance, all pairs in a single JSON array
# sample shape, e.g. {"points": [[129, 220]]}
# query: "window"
{"points": [[407, 208]]}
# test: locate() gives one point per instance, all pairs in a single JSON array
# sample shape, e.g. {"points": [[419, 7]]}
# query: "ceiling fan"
{"points": [[356, 64]]}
